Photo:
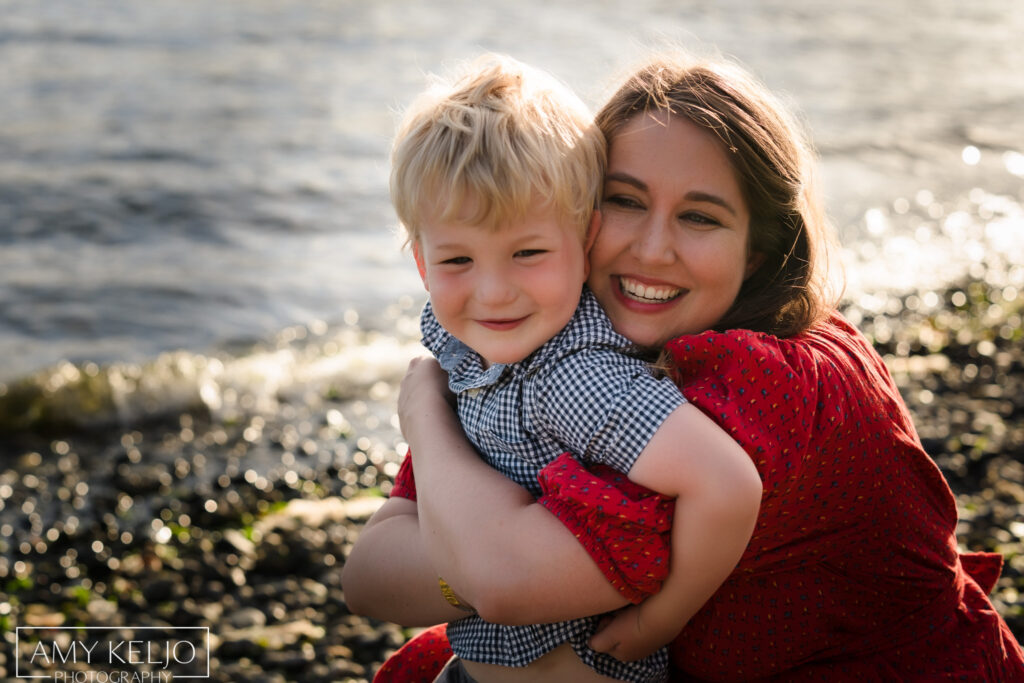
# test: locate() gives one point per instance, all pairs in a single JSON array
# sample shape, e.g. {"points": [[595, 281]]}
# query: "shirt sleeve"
{"points": [[600, 404], [405, 482], [624, 527]]}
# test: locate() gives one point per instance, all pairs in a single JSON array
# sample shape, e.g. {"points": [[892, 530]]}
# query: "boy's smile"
{"points": [[502, 325], [503, 292]]}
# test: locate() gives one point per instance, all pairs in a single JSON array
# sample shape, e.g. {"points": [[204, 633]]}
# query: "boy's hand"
{"points": [[632, 633]]}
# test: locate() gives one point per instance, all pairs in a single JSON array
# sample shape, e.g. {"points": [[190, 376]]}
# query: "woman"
{"points": [[709, 247]]}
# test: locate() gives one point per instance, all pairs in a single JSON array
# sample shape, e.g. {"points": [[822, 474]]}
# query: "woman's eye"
{"points": [[699, 218], [622, 201]]}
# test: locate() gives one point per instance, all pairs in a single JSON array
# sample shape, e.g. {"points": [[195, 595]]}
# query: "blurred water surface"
{"points": [[203, 176]]}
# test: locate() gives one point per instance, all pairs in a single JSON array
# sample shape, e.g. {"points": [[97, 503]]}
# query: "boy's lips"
{"points": [[501, 324], [647, 293]]}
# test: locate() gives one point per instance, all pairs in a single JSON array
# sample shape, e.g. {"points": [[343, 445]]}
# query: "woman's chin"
{"points": [[644, 333]]}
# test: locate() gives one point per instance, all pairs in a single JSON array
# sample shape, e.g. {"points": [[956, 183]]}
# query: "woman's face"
{"points": [[672, 250]]}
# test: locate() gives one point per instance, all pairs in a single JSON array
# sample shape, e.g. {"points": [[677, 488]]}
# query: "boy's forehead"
{"points": [[468, 206], [459, 207], [541, 222], [489, 213]]}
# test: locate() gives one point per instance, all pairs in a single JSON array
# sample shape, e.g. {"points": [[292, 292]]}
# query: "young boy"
{"points": [[495, 178]]}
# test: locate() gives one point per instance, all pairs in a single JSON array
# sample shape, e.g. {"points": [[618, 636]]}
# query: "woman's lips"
{"points": [[633, 290]]}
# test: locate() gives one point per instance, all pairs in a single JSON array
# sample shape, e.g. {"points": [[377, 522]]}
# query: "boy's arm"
{"points": [[718, 492], [387, 575]]}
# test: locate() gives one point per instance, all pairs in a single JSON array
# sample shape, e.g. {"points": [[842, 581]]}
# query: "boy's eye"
{"points": [[526, 253], [457, 261]]}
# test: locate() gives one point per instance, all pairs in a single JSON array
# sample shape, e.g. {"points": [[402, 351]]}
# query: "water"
{"points": [[193, 194]]}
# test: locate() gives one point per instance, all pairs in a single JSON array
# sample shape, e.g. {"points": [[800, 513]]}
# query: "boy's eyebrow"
{"points": [[693, 195]]}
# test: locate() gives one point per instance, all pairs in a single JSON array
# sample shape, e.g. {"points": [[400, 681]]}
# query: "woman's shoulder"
{"points": [[832, 344]]}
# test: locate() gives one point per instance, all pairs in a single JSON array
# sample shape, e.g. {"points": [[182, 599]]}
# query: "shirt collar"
{"points": [[465, 367]]}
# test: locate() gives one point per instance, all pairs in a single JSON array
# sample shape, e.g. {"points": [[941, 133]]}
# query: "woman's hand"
{"points": [[424, 379], [422, 397]]}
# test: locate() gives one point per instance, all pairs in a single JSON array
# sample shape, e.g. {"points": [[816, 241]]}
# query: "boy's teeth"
{"points": [[638, 290]]}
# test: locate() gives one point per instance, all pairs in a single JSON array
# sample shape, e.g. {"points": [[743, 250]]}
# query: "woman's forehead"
{"points": [[673, 152]]}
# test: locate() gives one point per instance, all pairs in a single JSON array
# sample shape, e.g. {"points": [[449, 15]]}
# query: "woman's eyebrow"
{"points": [[627, 179], [696, 196], [693, 195]]}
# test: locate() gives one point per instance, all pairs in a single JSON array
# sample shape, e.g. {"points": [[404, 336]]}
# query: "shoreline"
{"points": [[242, 525]]}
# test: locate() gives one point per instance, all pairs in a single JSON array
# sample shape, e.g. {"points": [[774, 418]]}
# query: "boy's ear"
{"points": [[421, 266], [588, 242]]}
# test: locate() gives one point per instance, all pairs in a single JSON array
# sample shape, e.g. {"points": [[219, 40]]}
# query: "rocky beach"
{"points": [[239, 521]]}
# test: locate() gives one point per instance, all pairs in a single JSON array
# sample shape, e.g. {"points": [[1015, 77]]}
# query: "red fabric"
{"points": [[405, 482], [419, 660], [625, 527], [984, 568], [852, 573]]}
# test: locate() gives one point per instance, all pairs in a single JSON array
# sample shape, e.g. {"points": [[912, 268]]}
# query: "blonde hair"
{"points": [[495, 140], [775, 165]]}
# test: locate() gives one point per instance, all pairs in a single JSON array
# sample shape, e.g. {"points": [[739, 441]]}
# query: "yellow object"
{"points": [[450, 596]]}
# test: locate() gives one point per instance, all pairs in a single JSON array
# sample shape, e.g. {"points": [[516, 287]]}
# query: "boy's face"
{"points": [[504, 292]]}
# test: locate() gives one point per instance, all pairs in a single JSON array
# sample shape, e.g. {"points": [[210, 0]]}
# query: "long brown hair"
{"points": [[790, 289]]}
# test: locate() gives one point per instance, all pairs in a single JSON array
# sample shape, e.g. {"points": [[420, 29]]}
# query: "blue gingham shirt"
{"points": [[580, 392]]}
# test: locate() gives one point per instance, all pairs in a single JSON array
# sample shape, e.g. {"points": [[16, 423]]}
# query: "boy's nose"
{"points": [[494, 289]]}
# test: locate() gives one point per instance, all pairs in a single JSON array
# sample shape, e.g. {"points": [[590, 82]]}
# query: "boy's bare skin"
{"points": [[558, 666]]}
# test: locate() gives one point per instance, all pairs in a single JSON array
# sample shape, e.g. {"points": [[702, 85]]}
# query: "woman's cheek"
{"points": [[608, 242]]}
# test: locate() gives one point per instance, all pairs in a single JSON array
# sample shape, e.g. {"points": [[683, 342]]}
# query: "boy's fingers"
{"points": [[604, 640]]}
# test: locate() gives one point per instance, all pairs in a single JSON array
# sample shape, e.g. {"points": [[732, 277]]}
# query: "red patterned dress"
{"points": [[852, 572]]}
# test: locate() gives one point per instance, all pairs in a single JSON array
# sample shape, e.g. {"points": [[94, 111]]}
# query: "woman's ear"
{"points": [[754, 261], [421, 266], [588, 242]]}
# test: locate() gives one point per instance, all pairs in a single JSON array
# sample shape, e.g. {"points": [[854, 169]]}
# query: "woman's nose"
{"points": [[653, 242]]}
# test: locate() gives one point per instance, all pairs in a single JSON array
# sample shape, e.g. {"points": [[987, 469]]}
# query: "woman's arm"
{"points": [[387, 575], [509, 557]]}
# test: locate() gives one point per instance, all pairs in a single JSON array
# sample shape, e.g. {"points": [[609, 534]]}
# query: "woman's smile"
{"points": [[636, 290]]}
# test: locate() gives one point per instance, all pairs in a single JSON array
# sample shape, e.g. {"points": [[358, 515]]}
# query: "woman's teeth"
{"points": [[647, 293]]}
